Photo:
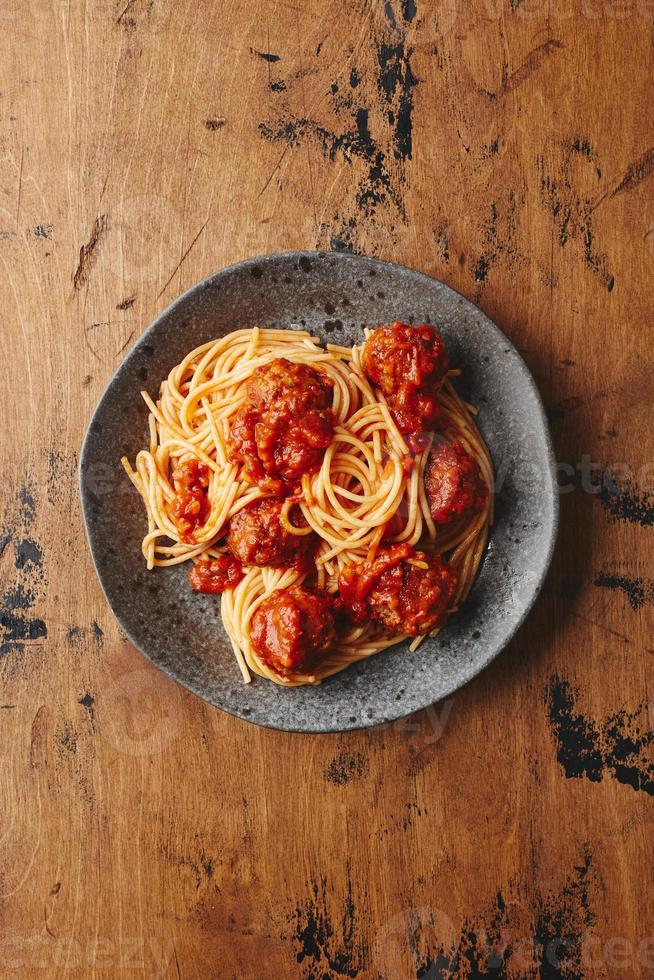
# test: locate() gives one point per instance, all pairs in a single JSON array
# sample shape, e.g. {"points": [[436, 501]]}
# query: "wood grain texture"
{"points": [[504, 147]]}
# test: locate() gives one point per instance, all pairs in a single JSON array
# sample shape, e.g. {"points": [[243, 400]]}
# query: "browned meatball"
{"points": [[289, 387], [408, 364], [404, 597], [283, 429], [401, 354], [413, 600], [256, 537], [293, 629], [454, 484]]}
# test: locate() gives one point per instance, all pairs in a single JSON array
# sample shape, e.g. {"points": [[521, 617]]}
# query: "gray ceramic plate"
{"points": [[335, 295]]}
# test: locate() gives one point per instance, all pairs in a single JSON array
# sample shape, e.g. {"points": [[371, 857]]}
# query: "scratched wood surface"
{"points": [[504, 147]]}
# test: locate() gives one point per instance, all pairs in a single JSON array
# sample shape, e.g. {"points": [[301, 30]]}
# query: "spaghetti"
{"points": [[367, 494]]}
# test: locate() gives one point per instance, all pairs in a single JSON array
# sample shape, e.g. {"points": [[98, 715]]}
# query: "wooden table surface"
{"points": [[506, 148]]}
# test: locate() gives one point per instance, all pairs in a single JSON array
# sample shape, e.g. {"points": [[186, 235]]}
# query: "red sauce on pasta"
{"points": [[216, 575], [190, 507]]}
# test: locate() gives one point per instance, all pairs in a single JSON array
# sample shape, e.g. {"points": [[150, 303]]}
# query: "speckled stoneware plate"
{"points": [[335, 295]]}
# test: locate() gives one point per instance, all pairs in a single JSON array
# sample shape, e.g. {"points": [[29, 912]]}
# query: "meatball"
{"points": [[283, 429], [216, 575], [400, 354], [256, 537], [407, 591], [454, 484], [293, 629], [409, 365], [289, 446], [298, 386], [416, 412], [411, 599]]}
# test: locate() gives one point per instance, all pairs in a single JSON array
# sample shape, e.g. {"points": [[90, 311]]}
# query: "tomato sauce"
{"points": [[409, 365], [191, 506], [216, 575], [285, 426], [356, 582]]}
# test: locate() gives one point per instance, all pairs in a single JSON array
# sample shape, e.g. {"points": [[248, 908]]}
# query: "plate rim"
{"points": [[550, 487]]}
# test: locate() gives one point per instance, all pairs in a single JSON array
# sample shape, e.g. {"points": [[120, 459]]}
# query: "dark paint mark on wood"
{"points": [[214, 124], [396, 84], [480, 270], [43, 231], [637, 590], [342, 232], [572, 213], [278, 86], [328, 945], [126, 304], [18, 598], [375, 189], [583, 146], [78, 637], [345, 767], [266, 56], [617, 747], [28, 552], [497, 942], [390, 14], [390, 91], [27, 505], [66, 739], [562, 926], [443, 242], [491, 149], [498, 236], [409, 10], [625, 502], [88, 252], [199, 864], [340, 244], [87, 701], [17, 630]]}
